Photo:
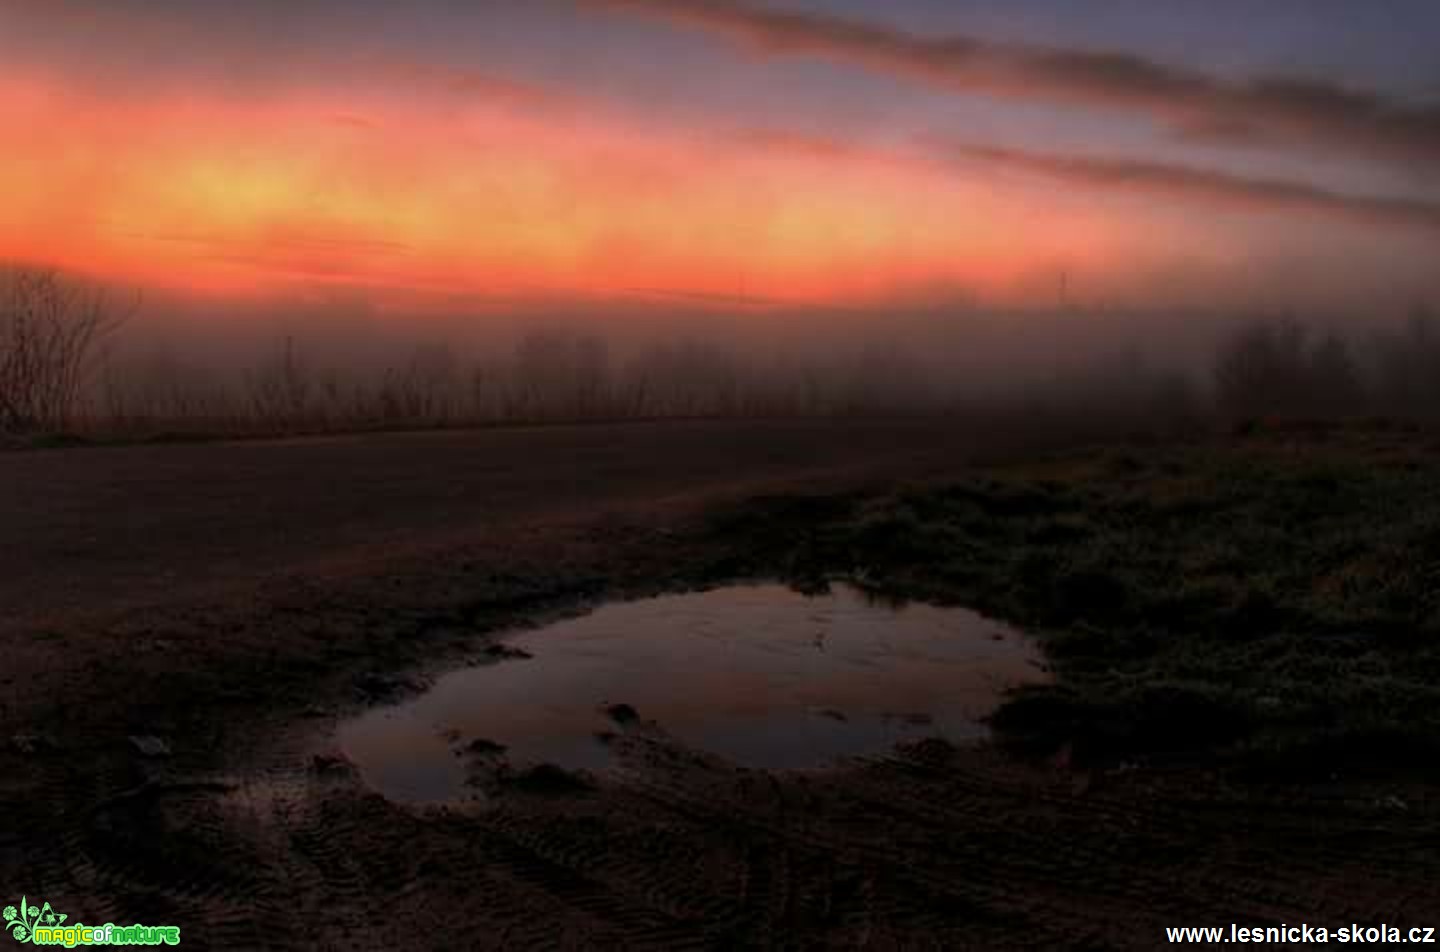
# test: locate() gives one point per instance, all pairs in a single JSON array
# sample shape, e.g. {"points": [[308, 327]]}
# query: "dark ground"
{"points": [[91, 530], [1242, 729]]}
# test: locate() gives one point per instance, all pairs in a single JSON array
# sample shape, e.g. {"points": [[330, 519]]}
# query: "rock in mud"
{"points": [[31, 744], [548, 779], [503, 652], [933, 751], [380, 687], [331, 763], [913, 719], [480, 747], [148, 745], [622, 714]]}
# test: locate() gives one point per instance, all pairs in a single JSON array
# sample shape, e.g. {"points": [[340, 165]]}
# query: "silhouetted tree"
{"points": [[1336, 388], [559, 375], [1263, 369], [280, 389], [1408, 368], [49, 328]]}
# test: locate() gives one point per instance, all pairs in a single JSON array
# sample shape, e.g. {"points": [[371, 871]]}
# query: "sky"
{"points": [[745, 154]]}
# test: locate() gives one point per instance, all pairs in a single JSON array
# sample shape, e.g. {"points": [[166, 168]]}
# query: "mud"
{"points": [[246, 838]]}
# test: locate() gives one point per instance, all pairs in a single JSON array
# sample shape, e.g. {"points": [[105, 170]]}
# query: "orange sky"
{"points": [[215, 194], [190, 158]]}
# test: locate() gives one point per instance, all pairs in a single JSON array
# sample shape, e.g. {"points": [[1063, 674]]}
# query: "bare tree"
{"points": [[1276, 369], [1408, 367], [689, 378], [1263, 369], [49, 329], [280, 391], [541, 373], [423, 392], [1337, 387], [559, 375]]}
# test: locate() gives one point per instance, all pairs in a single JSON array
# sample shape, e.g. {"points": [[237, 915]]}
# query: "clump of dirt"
{"points": [[549, 780], [480, 747], [504, 652], [622, 714]]}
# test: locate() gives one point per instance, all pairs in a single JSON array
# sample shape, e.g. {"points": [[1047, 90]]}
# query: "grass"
{"points": [[1272, 599]]}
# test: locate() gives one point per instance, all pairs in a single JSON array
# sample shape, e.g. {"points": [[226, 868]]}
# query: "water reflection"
{"points": [[760, 675]]}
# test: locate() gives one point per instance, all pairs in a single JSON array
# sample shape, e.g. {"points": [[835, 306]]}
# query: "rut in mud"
{"points": [[931, 848]]}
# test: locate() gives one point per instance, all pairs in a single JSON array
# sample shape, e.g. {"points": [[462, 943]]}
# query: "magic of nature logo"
{"points": [[42, 925]]}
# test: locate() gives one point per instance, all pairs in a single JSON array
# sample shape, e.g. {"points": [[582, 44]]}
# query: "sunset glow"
{"points": [[383, 163], [480, 197]]}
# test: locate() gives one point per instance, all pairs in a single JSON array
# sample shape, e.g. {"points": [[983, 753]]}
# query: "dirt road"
{"points": [[90, 530]]}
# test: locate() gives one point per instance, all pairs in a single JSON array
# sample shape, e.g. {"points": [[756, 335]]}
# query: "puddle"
{"points": [[760, 675]]}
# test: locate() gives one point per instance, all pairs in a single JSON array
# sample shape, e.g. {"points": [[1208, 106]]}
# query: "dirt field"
{"points": [[232, 601]]}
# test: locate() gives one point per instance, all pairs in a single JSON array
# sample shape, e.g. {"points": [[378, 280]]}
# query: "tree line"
{"points": [[56, 374]]}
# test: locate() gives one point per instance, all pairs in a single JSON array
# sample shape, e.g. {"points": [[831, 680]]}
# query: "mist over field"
{"points": [[160, 362]]}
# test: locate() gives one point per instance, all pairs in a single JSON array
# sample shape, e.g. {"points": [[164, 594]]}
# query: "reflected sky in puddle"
{"points": [[760, 675]]}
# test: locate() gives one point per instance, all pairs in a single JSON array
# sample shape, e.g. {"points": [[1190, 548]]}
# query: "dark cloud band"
{"points": [[1201, 185], [1281, 111]]}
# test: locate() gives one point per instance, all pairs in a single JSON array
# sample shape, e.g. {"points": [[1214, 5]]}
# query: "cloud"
{"points": [[1160, 179], [1201, 185], [1269, 110]]}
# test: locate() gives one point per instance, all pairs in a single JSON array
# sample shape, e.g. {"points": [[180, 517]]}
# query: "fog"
{"points": [[154, 363]]}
